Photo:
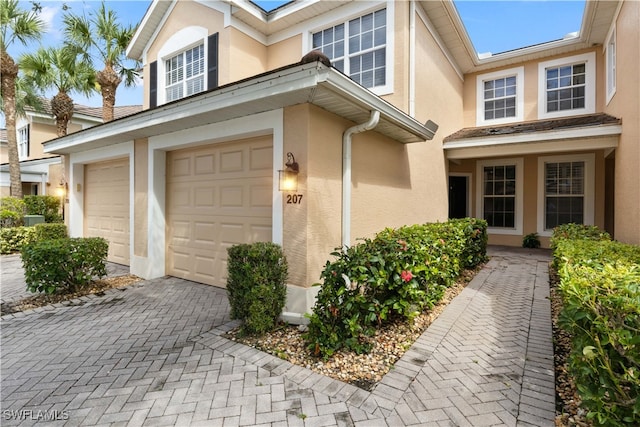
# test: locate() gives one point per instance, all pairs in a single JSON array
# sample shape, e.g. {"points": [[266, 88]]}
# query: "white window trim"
{"points": [[589, 187], [519, 163], [610, 69], [22, 143], [481, 78], [589, 91], [181, 41], [338, 17]]}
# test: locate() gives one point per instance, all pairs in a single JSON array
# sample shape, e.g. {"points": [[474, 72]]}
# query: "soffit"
{"points": [[310, 83], [597, 19], [283, 17]]}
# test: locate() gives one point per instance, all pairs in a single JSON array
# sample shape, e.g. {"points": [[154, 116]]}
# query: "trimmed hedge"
{"points": [[600, 288], [399, 272], [14, 238], [256, 285], [64, 265], [50, 231], [47, 206], [12, 211]]}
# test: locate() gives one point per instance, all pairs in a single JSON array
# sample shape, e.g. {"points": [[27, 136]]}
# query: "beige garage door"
{"points": [[217, 196], [106, 206]]}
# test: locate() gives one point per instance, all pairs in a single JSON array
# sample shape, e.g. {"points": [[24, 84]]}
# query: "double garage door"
{"points": [[106, 206], [217, 196]]}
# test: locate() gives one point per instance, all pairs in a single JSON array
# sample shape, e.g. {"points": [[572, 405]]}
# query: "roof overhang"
{"points": [[311, 83], [596, 23], [554, 141]]}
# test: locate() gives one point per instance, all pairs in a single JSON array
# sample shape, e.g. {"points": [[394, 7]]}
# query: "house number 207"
{"points": [[294, 199]]}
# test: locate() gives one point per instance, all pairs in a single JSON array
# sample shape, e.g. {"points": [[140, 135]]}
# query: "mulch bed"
{"points": [[98, 287]]}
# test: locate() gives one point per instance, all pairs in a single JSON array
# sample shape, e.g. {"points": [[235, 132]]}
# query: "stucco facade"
{"points": [[363, 133]]}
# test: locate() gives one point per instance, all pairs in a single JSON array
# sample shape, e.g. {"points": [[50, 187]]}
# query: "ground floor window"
{"points": [[564, 193], [565, 187], [500, 194]]}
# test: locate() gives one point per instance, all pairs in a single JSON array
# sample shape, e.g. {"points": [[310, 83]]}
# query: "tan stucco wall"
{"points": [[247, 57], [626, 105], [285, 52], [392, 185], [39, 133]]}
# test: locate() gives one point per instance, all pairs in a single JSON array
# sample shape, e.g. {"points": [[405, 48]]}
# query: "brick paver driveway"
{"points": [[153, 354]]}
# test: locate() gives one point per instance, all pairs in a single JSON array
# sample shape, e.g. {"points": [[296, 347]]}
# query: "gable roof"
{"points": [[90, 112], [442, 17], [295, 84]]}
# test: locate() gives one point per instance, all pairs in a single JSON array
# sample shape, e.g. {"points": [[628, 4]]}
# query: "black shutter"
{"points": [[153, 84], [212, 62]]}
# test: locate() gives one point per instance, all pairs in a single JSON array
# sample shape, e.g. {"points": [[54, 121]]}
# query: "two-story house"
{"points": [[408, 125], [41, 172]]}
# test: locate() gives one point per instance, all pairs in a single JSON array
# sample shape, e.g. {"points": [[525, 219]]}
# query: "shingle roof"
{"points": [[119, 111], [534, 126]]}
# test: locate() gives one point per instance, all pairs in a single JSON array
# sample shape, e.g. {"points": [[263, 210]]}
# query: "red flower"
{"points": [[406, 275]]}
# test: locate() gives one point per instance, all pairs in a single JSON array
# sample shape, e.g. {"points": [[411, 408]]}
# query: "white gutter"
{"points": [[346, 173]]}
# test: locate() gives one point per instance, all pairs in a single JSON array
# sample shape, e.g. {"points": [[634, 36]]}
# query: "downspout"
{"points": [[346, 173]]}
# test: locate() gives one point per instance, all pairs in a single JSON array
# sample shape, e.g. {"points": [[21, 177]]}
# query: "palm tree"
{"points": [[16, 25], [59, 68], [104, 37]]}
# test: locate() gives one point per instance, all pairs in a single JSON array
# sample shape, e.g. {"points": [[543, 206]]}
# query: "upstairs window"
{"points": [[186, 64], [358, 48], [184, 73], [500, 97], [23, 142], [567, 86], [611, 65]]}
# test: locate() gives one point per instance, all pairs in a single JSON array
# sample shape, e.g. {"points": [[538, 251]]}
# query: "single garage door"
{"points": [[217, 196], [106, 206]]}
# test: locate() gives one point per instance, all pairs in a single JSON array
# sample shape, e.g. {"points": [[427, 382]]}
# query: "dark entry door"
{"points": [[458, 196]]}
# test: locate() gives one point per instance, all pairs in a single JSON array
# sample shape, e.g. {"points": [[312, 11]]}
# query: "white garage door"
{"points": [[106, 206], [217, 196]]}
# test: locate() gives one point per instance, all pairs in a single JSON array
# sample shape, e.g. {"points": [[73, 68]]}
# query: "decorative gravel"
{"points": [[390, 342]]}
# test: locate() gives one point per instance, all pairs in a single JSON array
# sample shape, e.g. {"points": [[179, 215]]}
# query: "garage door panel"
{"points": [[224, 200], [106, 206]]}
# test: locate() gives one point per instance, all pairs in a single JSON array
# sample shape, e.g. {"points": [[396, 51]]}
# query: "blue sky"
{"points": [[493, 26]]}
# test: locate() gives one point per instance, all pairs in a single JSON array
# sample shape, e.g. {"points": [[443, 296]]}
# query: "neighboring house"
{"points": [[228, 103], [41, 172]]}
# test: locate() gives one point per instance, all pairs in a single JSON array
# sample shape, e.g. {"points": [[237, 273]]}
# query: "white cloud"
{"points": [[52, 25]]}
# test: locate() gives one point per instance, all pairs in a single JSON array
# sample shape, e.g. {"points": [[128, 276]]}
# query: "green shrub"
{"points": [[256, 285], [398, 273], [14, 238], [531, 240], [12, 211], [577, 231], [600, 288], [64, 265], [47, 206], [50, 231]]}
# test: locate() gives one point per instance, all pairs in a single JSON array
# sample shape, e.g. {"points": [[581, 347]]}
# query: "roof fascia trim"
{"points": [[389, 112], [542, 136]]}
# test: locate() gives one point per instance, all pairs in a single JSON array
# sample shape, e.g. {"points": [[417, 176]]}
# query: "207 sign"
{"points": [[294, 199]]}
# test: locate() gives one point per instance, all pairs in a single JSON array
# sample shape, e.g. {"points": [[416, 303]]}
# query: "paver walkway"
{"points": [[154, 354]]}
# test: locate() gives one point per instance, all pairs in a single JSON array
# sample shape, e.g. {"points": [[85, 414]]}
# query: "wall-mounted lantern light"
{"points": [[289, 176], [61, 192]]}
